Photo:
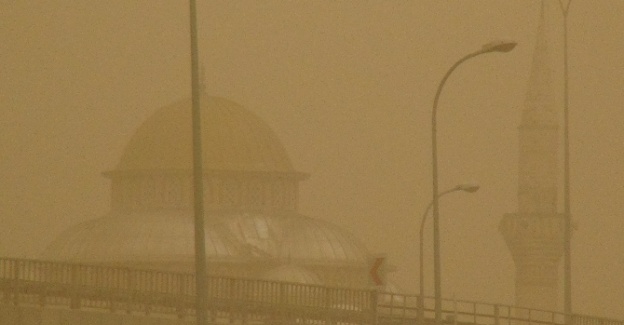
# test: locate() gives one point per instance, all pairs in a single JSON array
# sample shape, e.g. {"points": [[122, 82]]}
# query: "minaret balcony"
{"points": [[533, 238]]}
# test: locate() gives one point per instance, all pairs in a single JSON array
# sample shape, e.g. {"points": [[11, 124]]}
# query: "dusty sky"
{"points": [[348, 87]]}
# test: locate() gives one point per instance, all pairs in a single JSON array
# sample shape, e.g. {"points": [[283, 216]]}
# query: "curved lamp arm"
{"points": [[470, 188]]}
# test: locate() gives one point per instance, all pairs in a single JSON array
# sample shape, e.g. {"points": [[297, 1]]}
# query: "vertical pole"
{"points": [[436, 195], [436, 218], [567, 214], [198, 190], [421, 300], [436, 215], [566, 171]]}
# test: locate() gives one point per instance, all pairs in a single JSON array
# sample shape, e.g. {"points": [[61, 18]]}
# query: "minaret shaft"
{"points": [[534, 234]]}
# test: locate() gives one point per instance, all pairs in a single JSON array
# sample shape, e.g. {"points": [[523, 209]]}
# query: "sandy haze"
{"points": [[348, 87]]}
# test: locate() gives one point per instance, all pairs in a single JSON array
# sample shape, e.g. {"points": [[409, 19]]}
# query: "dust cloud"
{"points": [[348, 87]]}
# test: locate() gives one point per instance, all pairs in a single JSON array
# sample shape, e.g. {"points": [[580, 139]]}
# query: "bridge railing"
{"points": [[405, 308], [148, 291]]}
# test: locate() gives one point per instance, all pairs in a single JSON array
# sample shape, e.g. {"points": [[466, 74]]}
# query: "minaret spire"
{"points": [[540, 98], [534, 234]]}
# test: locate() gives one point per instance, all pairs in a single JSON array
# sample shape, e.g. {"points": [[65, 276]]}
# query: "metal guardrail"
{"points": [[24, 281], [117, 289], [405, 308]]}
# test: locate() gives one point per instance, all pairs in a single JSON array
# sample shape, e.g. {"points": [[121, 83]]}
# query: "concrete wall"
{"points": [[21, 315]]}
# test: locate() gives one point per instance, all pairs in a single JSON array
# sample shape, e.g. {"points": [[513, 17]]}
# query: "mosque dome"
{"points": [[140, 239], [233, 139], [250, 200]]}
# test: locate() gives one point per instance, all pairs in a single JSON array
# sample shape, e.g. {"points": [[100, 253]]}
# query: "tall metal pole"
{"points": [[488, 48], [567, 259], [198, 189], [436, 214]]}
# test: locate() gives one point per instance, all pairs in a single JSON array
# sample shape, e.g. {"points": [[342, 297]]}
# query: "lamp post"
{"points": [[470, 188], [497, 46], [198, 190], [567, 214]]}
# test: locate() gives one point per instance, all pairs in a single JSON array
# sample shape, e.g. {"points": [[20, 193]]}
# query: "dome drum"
{"points": [[221, 193]]}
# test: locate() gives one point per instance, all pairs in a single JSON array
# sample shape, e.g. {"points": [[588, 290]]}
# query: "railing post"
{"points": [[213, 285], [552, 318], [112, 284], [329, 320], [16, 282], [180, 308], [496, 315], [374, 305], [130, 291], [74, 294], [42, 295], [41, 283], [281, 313], [231, 300], [245, 299], [421, 309]]}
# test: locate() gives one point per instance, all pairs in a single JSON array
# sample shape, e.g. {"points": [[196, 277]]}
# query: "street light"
{"points": [[470, 188], [496, 46]]}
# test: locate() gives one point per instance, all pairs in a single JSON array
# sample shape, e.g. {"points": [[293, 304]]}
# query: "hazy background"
{"points": [[348, 86]]}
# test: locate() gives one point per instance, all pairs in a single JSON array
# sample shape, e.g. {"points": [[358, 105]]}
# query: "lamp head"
{"points": [[499, 46], [470, 188]]}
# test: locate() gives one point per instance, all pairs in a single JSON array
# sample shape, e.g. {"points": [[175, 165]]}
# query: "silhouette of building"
{"points": [[251, 193], [534, 234]]}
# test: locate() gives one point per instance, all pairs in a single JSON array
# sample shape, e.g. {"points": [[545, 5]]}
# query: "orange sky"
{"points": [[348, 87]]}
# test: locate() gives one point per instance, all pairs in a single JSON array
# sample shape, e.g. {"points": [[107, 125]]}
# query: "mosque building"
{"points": [[251, 193]]}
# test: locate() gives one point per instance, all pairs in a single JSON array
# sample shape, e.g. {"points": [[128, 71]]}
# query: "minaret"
{"points": [[534, 234]]}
